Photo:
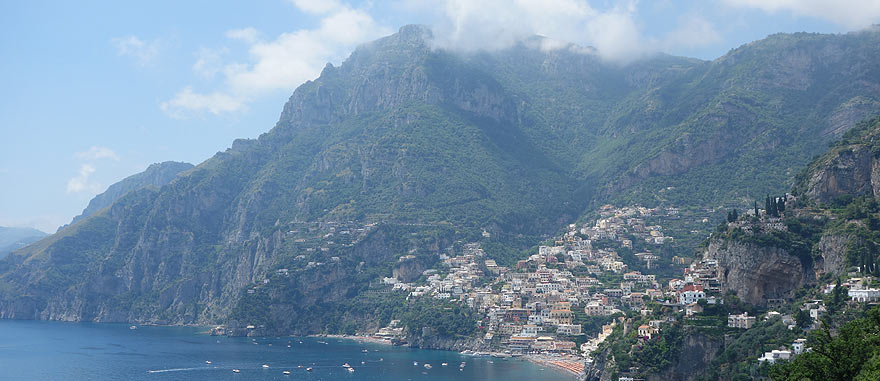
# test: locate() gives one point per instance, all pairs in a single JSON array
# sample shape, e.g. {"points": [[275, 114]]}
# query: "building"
{"points": [[691, 294], [864, 295], [569, 329], [646, 331], [775, 355], [740, 321]]}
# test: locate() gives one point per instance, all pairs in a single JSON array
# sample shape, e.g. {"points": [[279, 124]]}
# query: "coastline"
{"points": [[572, 365], [360, 339], [569, 364]]}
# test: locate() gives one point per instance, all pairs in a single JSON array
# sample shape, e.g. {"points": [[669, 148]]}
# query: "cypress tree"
{"points": [[756, 209], [767, 205], [781, 204]]}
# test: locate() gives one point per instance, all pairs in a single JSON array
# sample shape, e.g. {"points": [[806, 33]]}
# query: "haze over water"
{"points": [[38, 350]]}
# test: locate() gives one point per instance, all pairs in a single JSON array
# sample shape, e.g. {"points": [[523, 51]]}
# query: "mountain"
{"points": [[404, 151], [156, 175], [15, 238], [784, 260]]}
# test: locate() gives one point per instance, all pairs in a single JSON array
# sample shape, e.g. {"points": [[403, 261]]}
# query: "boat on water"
{"points": [[207, 362], [443, 364], [236, 371], [415, 363], [346, 365], [309, 369], [133, 327], [350, 370], [363, 362], [365, 350], [299, 366], [286, 372], [265, 366], [428, 366]]}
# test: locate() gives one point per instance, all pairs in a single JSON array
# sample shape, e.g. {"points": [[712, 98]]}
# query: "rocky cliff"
{"points": [[849, 169], [156, 175], [758, 273]]}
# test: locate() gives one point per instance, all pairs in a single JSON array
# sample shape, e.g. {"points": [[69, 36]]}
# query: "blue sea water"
{"points": [[38, 350]]}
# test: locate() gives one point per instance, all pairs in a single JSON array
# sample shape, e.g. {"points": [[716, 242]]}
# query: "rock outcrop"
{"points": [[757, 274], [853, 170]]}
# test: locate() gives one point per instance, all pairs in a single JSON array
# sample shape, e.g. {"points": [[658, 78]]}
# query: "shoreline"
{"points": [[360, 339], [572, 365], [568, 364]]}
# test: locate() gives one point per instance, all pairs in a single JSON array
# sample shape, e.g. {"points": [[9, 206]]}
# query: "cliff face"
{"points": [[697, 351], [156, 175], [757, 273], [851, 170]]}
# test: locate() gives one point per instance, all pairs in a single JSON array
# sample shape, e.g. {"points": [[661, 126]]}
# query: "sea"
{"points": [[40, 350]]}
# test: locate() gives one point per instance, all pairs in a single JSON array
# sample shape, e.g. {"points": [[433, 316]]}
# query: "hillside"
{"points": [[408, 150], [156, 175], [15, 238]]}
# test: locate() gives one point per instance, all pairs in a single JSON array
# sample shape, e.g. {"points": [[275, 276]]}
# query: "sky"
{"points": [[95, 91]]}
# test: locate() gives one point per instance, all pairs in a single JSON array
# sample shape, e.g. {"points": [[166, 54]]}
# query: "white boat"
{"points": [[444, 364], [309, 369], [350, 370], [428, 366], [236, 371], [133, 327], [415, 363], [286, 372], [346, 365], [299, 366], [265, 366]]}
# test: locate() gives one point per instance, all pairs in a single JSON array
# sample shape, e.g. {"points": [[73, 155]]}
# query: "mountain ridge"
{"points": [[419, 148]]}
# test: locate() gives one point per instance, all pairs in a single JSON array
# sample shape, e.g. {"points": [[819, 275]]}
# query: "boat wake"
{"points": [[174, 370]]}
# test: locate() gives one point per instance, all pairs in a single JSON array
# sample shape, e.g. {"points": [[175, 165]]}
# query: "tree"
{"points": [[803, 319], [767, 205], [732, 216], [854, 354], [757, 214], [781, 203]]}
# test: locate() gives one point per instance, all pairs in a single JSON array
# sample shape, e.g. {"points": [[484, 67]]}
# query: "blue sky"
{"points": [[95, 91]]}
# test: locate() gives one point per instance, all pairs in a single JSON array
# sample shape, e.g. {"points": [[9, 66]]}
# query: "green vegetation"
{"points": [[853, 353]]}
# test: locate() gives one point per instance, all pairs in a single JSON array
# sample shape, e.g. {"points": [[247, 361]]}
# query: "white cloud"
{"points": [[317, 6], [144, 53], [855, 14], [186, 102], [248, 35], [80, 182], [279, 64], [97, 152], [209, 62], [615, 31]]}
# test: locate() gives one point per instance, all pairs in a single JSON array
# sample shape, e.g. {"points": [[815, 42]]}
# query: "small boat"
{"points": [[286, 372], [365, 350], [363, 362], [309, 369], [299, 366], [265, 366], [346, 365], [133, 327], [236, 371], [381, 359], [415, 363], [207, 362], [444, 364], [428, 366], [288, 345], [350, 370]]}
